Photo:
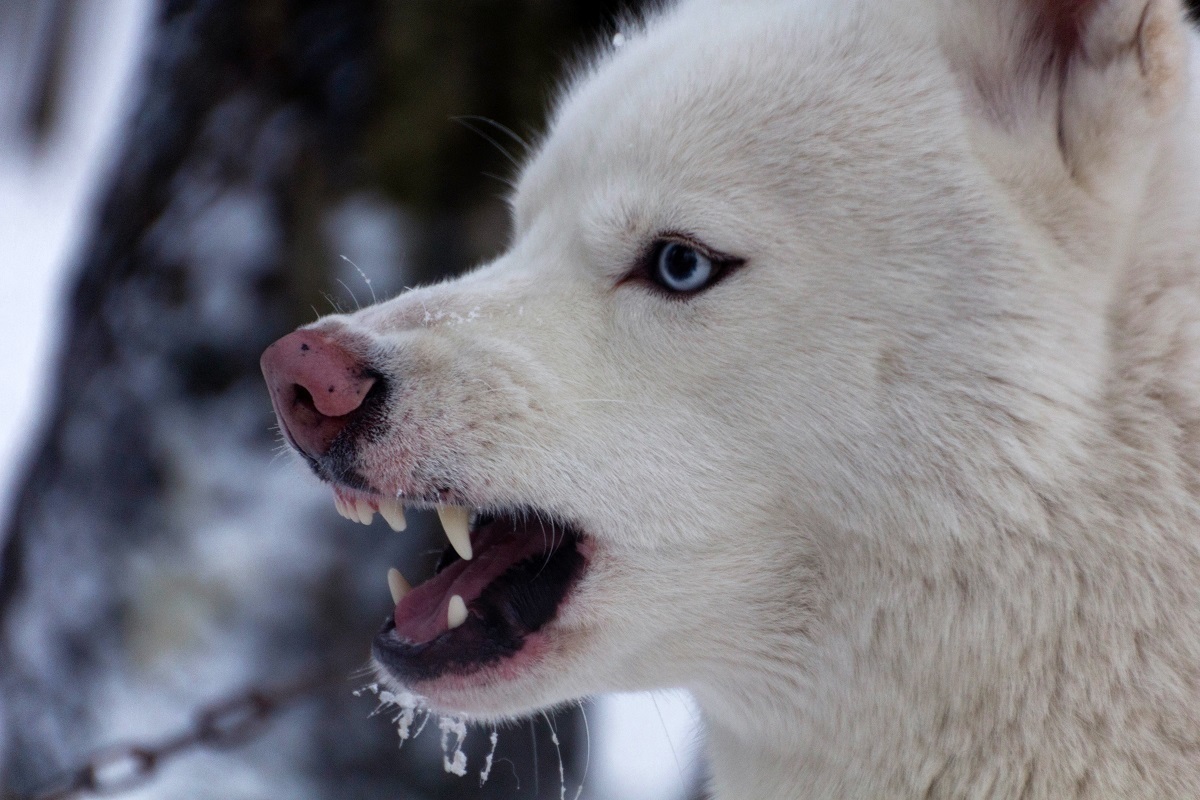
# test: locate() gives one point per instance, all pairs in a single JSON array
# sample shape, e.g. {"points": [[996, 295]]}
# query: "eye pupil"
{"points": [[681, 268], [680, 262]]}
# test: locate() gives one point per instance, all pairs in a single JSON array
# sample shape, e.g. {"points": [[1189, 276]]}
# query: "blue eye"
{"points": [[680, 268]]}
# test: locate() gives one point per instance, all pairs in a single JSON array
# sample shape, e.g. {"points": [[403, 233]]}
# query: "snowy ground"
{"points": [[45, 196], [647, 747]]}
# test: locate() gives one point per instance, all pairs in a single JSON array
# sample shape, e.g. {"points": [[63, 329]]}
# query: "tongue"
{"points": [[421, 615]]}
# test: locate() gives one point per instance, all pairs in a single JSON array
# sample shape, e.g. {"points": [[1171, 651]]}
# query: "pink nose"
{"points": [[316, 386]]}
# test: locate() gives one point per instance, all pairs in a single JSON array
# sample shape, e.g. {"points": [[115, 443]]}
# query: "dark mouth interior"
{"points": [[522, 568]]}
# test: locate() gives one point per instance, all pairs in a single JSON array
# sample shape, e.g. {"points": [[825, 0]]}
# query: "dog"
{"points": [[844, 369]]}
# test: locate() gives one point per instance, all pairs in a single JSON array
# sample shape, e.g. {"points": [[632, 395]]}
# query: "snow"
{"points": [[484, 773], [454, 760], [562, 778], [230, 239], [203, 612], [408, 705], [45, 197], [645, 747]]}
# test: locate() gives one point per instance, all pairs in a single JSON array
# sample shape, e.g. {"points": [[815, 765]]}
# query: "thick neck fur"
{"points": [[1017, 614]]}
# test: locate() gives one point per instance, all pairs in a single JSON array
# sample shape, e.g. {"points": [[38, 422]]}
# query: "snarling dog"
{"points": [[844, 369]]}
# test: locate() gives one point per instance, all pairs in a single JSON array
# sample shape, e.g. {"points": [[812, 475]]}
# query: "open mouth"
{"points": [[502, 578], [507, 571]]}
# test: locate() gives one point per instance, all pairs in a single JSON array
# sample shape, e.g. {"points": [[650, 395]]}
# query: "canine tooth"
{"points": [[364, 512], [456, 612], [393, 514], [454, 521], [397, 585]]}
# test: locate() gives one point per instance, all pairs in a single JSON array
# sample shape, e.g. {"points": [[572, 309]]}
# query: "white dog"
{"points": [[845, 370]]}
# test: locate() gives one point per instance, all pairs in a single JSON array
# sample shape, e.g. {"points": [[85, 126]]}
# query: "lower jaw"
{"points": [[472, 692], [453, 655], [506, 632]]}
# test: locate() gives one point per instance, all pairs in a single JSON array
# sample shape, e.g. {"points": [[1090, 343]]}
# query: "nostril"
{"points": [[304, 397], [302, 403], [317, 386]]}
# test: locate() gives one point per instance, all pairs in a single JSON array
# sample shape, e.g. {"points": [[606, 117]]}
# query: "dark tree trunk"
{"points": [[237, 143], [152, 558]]}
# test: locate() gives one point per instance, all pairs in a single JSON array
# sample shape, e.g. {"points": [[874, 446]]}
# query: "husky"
{"points": [[844, 370]]}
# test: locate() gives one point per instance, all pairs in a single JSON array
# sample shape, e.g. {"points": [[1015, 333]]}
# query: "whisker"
{"points": [[337, 309], [357, 305], [465, 122], [587, 751], [366, 280], [667, 734], [510, 184], [525, 148], [536, 778], [562, 777]]}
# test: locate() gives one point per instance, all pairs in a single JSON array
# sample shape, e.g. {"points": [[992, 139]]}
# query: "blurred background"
{"points": [[182, 182]]}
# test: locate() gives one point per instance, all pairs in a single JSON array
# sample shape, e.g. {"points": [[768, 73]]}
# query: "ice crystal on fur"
{"points": [[454, 760], [562, 776], [407, 703], [487, 761], [404, 719]]}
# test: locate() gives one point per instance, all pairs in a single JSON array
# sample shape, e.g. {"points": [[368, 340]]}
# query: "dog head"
{"points": [[770, 272]]}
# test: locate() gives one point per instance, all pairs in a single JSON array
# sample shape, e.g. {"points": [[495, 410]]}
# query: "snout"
{"points": [[317, 387]]}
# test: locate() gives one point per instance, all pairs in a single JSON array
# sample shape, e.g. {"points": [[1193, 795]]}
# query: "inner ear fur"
{"points": [[1096, 78], [1060, 25]]}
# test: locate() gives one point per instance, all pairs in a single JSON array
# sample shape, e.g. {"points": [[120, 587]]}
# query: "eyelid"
{"points": [[644, 264], [687, 241]]}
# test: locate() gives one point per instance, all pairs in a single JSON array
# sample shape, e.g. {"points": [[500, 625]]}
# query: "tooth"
{"points": [[454, 522], [392, 513], [364, 512], [456, 612], [340, 506], [398, 586]]}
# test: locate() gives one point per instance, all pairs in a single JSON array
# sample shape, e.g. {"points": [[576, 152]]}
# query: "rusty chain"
{"points": [[225, 724]]}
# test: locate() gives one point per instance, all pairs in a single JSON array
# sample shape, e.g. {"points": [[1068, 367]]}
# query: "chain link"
{"points": [[227, 723]]}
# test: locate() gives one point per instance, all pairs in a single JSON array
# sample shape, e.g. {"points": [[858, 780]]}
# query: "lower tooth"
{"points": [[397, 585], [456, 613]]}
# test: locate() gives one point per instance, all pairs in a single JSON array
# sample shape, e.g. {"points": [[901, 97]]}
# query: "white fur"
{"points": [[911, 501]]}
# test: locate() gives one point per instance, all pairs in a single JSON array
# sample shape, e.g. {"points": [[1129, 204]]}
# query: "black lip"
{"points": [[521, 601], [339, 465]]}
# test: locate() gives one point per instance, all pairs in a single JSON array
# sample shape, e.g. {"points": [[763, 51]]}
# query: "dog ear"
{"points": [[1099, 76]]}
